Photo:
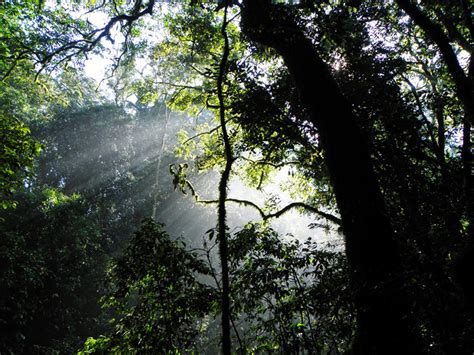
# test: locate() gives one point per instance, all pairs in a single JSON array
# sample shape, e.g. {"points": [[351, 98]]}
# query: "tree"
{"points": [[51, 264], [392, 172], [154, 290], [455, 29], [288, 296], [164, 300], [370, 245], [17, 151]]}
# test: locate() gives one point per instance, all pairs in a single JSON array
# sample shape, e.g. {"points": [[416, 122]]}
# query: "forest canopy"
{"points": [[236, 176]]}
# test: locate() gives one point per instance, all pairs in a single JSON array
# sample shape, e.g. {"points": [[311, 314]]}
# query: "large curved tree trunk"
{"points": [[383, 324]]}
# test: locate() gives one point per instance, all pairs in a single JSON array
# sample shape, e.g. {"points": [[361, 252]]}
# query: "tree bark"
{"points": [[382, 308], [223, 183]]}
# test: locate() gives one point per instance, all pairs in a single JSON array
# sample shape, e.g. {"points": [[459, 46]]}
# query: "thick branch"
{"points": [[453, 32], [436, 34], [467, 12]]}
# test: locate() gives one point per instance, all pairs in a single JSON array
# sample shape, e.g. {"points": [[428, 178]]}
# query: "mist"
{"points": [[106, 153]]}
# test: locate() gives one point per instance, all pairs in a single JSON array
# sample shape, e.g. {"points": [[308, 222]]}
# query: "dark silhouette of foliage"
{"points": [[51, 267]]}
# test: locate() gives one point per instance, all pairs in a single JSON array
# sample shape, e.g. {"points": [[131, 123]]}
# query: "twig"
{"points": [[202, 133]]}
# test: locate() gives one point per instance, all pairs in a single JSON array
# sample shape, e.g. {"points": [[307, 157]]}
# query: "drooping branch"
{"points": [[299, 205]]}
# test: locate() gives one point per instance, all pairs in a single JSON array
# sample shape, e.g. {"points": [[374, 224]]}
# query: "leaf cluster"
{"points": [[160, 303]]}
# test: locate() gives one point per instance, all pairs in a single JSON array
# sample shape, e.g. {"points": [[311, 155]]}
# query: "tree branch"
{"points": [[274, 165], [90, 41], [436, 34], [425, 119]]}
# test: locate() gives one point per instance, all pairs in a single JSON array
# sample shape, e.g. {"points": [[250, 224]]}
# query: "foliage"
{"points": [[289, 296], [50, 256], [414, 142], [25, 96], [160, 303], [17, 153], [413, 117]]}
